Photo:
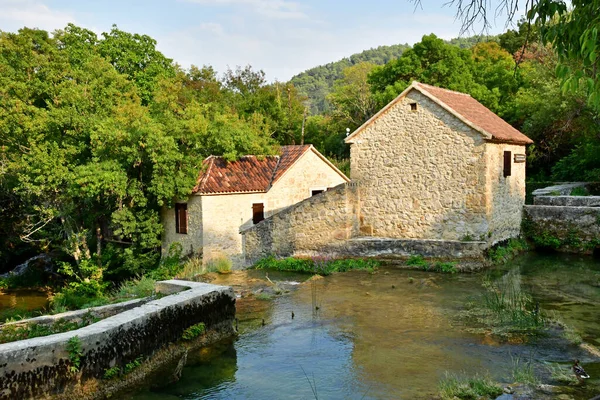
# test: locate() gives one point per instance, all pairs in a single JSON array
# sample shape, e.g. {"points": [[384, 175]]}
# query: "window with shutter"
{"points": [[181, 223], [507, 163], [258, 212]]}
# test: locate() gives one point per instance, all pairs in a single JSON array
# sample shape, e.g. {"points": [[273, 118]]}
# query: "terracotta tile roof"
{"points": [[479, 115], [247, 174], [464, 107]]}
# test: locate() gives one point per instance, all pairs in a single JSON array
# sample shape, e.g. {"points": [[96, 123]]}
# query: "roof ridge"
{"points": [[211, 162], [444, 89]]}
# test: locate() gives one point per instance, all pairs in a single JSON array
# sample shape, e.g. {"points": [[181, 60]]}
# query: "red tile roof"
{"points": [[247, 174], [478, 115], [464, 107]]}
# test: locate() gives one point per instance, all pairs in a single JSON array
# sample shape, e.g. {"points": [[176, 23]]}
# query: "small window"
{"points": [[181, 218], [507, 163], [316, 192], [413, 106], [258, 212]]}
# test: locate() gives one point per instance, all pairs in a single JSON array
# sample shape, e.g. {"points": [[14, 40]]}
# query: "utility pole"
{"points": [[303, 122]]}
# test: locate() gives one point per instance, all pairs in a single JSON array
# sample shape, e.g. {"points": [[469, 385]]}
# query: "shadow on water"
{"points": [[392, 335]]}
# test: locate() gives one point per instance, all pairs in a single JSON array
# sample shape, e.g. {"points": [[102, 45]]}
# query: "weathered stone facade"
{"points": [[323, 221], [215, 221], [422, 174], [505, 196], [425, 174]]}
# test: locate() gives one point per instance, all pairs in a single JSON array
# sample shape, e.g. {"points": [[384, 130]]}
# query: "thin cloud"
{"points": [[16, 14], [272, 9]]}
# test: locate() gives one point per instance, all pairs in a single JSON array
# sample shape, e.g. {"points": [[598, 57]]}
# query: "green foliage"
{"points": [[315, 265], [75, 353], [132, 365], [445, 267], [170, 265], [99, 133], [317, 83], [472, 388], [573, 32], [264, 296], [111, 373], [417, 261], [135, 288], [579, 191], [194, 331], [503, 252], [485, 71], [220, 263]]}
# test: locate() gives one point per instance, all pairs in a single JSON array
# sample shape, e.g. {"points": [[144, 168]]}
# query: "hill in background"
{"points": [[316, 83]]}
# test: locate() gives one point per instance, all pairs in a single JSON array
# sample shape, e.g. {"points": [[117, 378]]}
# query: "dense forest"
{"points": [[98, 133]]}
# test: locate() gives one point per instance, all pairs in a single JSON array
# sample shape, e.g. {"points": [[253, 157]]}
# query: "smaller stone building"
{"points": [[233, 196]]}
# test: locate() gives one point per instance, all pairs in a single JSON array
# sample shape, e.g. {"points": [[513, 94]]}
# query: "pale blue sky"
{"points": [[282, 37]]}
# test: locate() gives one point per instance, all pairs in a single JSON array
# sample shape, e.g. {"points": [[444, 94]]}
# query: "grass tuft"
{"points": [[321, 266], [477, 387]]}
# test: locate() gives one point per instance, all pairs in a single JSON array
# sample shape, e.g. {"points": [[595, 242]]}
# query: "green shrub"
{"points": [[448, 267], [417, 261], [194, 331], [112, 373], [219, 263], [321, 266], [191, 268], [457, 387], [132, 365], [579, 191], [75, 353], [135, 288], [170, 265], [503, 252]]}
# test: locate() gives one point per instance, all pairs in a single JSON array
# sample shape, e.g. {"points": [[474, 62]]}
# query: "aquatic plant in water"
{"points": [[453, 386], [504, 309]]}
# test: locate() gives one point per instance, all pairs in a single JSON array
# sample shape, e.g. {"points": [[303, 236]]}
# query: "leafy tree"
{"points": [[316, 83], [573, 32], [93, 147], [352, 100]]}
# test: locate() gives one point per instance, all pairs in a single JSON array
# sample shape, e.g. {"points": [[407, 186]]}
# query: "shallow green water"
{"points": [[390, 335], [22, 300]]}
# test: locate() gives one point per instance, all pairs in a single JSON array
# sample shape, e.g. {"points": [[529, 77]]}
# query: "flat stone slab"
{"points": [[567, 201], [402, 248], [564, 189]]}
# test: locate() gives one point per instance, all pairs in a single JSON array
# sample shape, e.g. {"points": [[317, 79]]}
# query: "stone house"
{"points": [[232, 196], [437, 164], [433, 165]]}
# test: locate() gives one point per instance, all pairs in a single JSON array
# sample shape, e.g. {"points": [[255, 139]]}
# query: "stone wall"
{"points": [[570, 201], [505, 195], [324, 221], [423, 174], [564, 228], [223, 217], [41, 366], [190, 242]]}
